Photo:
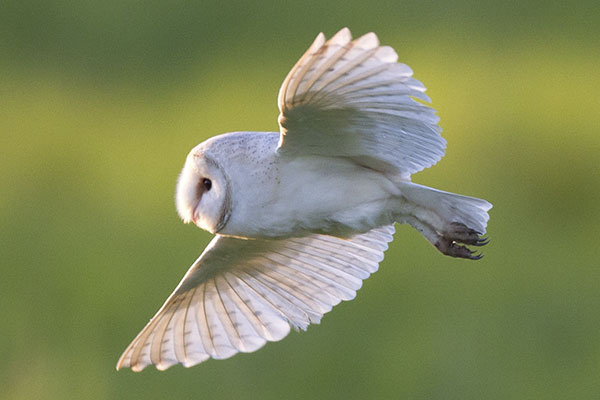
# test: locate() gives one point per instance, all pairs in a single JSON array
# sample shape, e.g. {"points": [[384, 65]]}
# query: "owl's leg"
{"points": [[447, 220], [452, 240]]}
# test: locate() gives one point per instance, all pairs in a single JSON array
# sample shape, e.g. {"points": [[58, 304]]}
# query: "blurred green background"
{"points": [[101, 101]]}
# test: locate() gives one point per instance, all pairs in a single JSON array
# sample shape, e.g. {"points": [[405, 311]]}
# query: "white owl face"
{"points": [[203, 194]]}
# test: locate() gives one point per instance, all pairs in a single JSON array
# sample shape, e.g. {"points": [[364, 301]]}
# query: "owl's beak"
{"points": [[193, 218], [195, 215]]}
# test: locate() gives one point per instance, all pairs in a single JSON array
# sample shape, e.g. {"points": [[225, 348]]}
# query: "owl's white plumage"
{"points": [[303, 216]]}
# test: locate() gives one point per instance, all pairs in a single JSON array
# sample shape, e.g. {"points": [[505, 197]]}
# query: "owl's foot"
{"points": [[449, 241]]}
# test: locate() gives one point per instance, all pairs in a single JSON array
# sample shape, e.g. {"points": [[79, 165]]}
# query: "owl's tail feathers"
{"points": [[447, 220]]}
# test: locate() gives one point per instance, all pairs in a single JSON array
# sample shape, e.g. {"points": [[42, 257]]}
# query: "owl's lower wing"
{"points": [[353, 99], [240, 294]]}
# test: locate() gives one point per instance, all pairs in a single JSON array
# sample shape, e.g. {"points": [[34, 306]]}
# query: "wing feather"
{"points": [[240, 294], [353, 99], [223, 341], [288, 310], [162, 347], [254, 328]]}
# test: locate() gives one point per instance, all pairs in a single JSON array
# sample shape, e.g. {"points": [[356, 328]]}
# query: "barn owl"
{"points": [[302, 216]]}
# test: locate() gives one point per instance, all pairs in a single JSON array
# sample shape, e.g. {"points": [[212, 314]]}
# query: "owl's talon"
{"points": [[459, 232], [452, 242], [482, 241]]}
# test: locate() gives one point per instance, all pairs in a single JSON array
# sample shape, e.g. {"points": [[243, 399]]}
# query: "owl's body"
{"points": [[303, 216], [265, 205]]}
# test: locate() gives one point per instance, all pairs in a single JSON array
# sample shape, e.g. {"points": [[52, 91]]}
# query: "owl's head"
{"points": [[203, 194]]}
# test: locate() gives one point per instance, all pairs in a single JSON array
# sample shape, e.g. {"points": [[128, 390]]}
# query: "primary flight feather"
{"points": [[302, 216]]}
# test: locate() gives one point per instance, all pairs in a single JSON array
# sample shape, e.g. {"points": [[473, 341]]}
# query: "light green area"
{"points": [[101, 101]]}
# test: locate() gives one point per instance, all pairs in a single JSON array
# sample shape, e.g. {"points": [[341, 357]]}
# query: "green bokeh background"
{"points": [[101, 101]]}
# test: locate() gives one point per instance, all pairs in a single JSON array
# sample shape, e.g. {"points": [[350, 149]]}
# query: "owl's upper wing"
{"points": [[240, 294], [352, 99]]}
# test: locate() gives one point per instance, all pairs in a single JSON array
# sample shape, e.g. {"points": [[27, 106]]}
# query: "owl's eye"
{"points": [[207, 184]]}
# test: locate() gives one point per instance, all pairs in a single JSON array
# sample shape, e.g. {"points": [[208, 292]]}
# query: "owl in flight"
{"points": [[302, 216]]}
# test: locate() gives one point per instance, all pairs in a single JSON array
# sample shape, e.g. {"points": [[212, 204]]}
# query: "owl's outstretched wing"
{"points": [[240, 294], [353, 99]]}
